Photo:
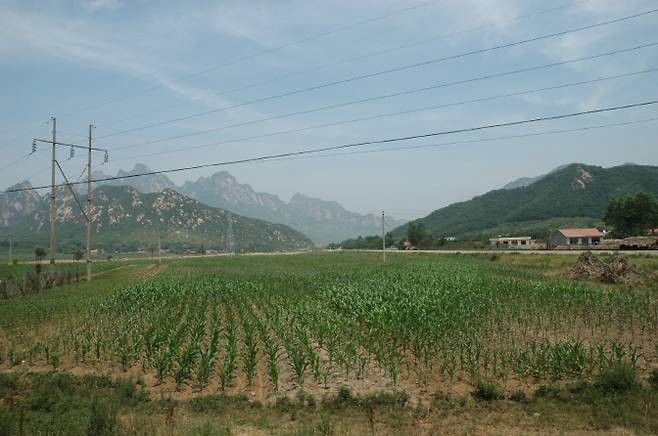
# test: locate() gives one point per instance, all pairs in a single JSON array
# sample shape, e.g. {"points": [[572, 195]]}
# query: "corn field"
{"points": [[415, 323]]}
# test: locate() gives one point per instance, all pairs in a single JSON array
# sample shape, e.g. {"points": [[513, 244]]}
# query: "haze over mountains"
{"points": [[573, 195], [197, 212], [322, 221], [125, 219]]}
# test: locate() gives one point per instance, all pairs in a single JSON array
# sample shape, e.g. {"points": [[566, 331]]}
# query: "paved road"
{"points": [[572, 252]]}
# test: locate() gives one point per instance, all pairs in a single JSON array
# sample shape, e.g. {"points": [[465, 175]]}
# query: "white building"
{"points": [[516, 242]]}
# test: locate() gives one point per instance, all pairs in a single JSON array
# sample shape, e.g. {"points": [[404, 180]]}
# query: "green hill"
{"points": [[575, 195], [125, 219]]}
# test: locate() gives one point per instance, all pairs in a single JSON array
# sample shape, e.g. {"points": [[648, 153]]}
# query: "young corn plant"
{"points": [[185, 361], [250, 352], [229, 361], [207, 358]]}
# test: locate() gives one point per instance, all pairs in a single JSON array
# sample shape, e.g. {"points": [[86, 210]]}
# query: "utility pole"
{"points": [[159, 253], [53, 206], [230, 242], [383, 238], [89, 207]]}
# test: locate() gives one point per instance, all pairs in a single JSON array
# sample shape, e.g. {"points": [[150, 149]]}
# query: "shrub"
{"points": [[618, 378], [344, 395], [519, 396], [102, 419], [653, 378], [487, 390], [548, 391]]}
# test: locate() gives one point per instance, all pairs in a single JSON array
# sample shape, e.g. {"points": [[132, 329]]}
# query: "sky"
{"points": [[154, 76]]}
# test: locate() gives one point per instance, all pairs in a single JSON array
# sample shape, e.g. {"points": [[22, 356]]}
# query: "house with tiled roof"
{"points": [[578, 237]]}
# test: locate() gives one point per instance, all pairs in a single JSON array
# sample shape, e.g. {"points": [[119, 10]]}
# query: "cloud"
{"points": [[77, 42], [96, 5]]}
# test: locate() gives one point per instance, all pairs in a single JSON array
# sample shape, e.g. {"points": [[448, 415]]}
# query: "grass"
{"points": [[64, 404]]}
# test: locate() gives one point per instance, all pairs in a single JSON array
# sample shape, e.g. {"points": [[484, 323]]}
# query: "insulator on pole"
{"points": [[72, 153], [106, 159], [34, 146]]}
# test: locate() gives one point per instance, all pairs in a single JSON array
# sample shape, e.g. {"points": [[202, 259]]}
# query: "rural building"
{"points": [[577, 237], [517, 242]]}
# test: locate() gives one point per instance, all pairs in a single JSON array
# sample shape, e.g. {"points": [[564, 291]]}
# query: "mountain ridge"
{"points": [[127, 220], [322, 221], [576, 194]]}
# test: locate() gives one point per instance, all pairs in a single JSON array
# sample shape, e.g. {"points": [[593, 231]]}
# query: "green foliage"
{"points": [[102, 419], [519, 396], [39, 253], [583, 192], [487, 390], [59, 403], [618, 378], [653, 378], [365, 243], [632, 216]]}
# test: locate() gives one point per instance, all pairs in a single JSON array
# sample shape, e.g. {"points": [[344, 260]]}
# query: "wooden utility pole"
{"points": [[383, 238], [159, 255], [53, 205], [89, 208]]}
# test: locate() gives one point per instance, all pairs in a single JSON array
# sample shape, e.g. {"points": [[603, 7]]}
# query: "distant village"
{"points": [[579, 238]]}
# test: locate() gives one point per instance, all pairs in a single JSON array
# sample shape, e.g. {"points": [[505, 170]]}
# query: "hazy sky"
{"points": [[124, 64]]}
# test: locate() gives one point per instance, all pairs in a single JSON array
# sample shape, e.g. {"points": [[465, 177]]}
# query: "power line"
{"points": [[364, 143], [396, 94], [462, 142], [386, 71], [353, 59], [14, 162], [371, 117], [262, 53], [475, 141]]}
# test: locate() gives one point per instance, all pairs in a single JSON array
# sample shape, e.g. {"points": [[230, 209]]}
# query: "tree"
{"points": [[631, 216], [39, 253], [77, 255], [419, 236]]}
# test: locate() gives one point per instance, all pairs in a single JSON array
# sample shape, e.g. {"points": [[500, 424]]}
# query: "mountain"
{"points": [[146, 184], [322, 221], [575, 195], [125, 219], [328, 219], [527, 181], [16, 206]]}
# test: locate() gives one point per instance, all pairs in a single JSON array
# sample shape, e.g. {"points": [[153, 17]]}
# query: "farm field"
{"points": [[500, 344]]}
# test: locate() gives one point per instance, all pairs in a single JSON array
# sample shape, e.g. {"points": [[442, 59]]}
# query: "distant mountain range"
{"points": [[125, 219], [573, 195], [322, 221]]}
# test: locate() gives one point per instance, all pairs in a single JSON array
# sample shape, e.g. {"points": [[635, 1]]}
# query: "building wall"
{"points": [[559, 239]]}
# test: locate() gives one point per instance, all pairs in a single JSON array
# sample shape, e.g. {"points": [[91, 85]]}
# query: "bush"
{"points": [[618, 378], [519, 396], [653, 378], [102, 419], [487, 390], [548, 391]]}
